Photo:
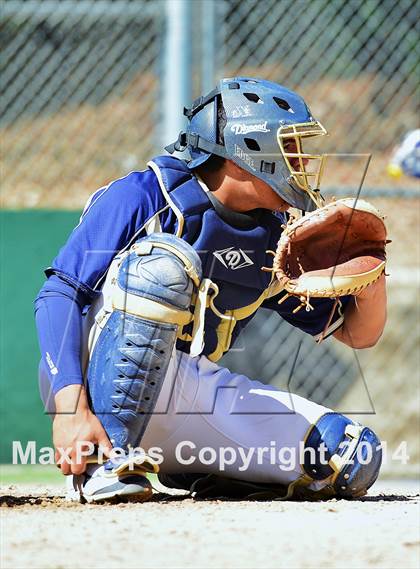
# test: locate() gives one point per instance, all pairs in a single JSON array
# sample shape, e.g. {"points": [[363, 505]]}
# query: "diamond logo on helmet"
{"points": [[233, 258], [241, 128]]}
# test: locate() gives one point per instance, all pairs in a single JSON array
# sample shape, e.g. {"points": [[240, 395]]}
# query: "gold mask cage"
{"points": [[307, 180]]}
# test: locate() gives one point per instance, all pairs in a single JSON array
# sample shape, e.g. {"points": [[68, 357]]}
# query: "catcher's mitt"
{"points": [[336, 250]]}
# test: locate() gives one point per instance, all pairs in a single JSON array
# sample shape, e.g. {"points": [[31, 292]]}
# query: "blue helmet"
{"points": [[265, 126]]}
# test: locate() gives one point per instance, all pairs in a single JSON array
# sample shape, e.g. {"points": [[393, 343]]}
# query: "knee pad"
{"points": [[346, 453], [148, 299]]}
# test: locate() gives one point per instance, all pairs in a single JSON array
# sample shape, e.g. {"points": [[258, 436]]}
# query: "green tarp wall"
{"points": [[29, 242]]}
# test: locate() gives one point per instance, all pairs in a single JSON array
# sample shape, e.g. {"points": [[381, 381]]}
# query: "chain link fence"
{"points": [[82, 83], [81, 90], [356, 63]]}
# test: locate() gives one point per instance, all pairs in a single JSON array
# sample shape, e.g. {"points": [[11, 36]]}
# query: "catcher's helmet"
{"points": [[265, 125]]}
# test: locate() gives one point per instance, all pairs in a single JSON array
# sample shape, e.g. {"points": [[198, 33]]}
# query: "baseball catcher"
{"points": [[156, 282]]}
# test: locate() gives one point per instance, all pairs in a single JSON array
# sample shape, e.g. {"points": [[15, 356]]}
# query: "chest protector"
{"points": [[232, 257]]}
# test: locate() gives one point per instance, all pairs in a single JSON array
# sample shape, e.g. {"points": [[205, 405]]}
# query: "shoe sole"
{"points": [[133, 496]]}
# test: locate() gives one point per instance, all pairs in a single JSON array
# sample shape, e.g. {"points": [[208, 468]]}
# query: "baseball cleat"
{"points": [[116, 478]]}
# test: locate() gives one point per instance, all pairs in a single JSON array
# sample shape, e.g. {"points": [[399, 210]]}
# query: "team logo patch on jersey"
{"points": [[233, 258]]}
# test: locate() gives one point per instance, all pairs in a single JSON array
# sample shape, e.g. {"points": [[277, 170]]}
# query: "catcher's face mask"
{"points": [[305, 168]]}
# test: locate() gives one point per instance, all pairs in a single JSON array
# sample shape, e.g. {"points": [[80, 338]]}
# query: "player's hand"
{"points": [[74, 427]]}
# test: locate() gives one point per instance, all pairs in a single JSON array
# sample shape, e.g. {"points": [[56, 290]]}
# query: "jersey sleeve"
{"points": [[58, 317], [111, 220], [325, 318]]}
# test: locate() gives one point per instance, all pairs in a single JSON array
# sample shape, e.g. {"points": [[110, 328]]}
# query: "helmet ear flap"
{"points": [[205, 123]]}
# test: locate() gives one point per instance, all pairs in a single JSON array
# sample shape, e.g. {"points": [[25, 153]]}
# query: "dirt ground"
{"points": [[40, 529]]}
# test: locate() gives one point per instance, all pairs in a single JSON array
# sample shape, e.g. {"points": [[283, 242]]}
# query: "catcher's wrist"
{"points": [[71, 399]]}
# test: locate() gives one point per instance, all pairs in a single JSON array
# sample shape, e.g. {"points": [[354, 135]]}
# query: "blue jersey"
{"points": [[165, 197]]}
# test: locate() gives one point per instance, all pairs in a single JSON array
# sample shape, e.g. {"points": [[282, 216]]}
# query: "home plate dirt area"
{"points": [[39, 529]]}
